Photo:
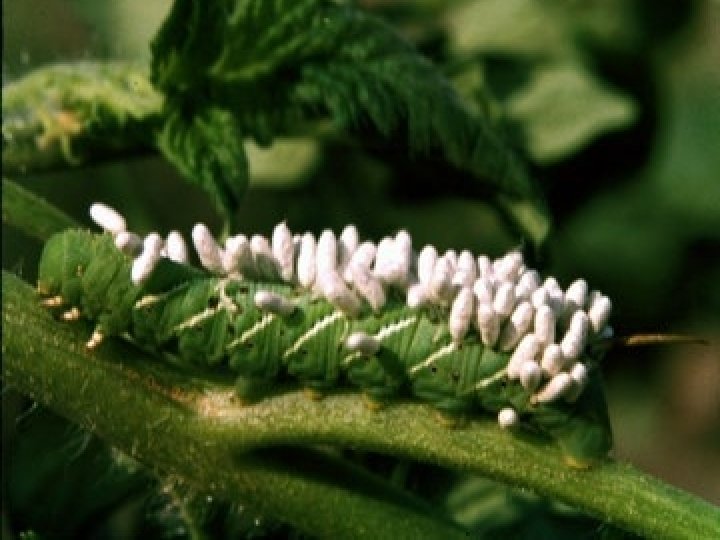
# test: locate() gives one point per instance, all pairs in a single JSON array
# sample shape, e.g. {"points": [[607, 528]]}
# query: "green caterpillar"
{"points": [[214, 323]]}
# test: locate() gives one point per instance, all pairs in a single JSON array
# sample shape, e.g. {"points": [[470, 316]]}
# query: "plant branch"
{"points": [[152, 411], [66, 114], [30, 213]]}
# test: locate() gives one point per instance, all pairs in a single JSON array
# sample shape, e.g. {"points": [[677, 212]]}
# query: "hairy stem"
{"points": [[67, 114], [151, 411], [30, 213]]}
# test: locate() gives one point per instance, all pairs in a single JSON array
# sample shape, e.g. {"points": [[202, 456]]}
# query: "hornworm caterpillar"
{"points": [[486, 345]]}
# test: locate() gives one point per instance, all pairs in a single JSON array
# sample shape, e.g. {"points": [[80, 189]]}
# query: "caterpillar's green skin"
{"points": [[212, 322]]}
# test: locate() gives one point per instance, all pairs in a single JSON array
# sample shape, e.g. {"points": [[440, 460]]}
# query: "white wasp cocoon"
{"points": [[504, 300], [307, 260], [527, 284], [506, 268], [461, 313], [573, 342], [175, 247], [507, 418], [558, 387], [326, 254], [402, 258], [426, 264], [452, 256], [526, 351], [129, 243], [273, 303], [142, 267], [466, 271], [599, 312], [283, 250], [441, 283], [530, 376], [347, 244], [516, 326], [384, 259], [484, 290], [576, 295], [540, 297], [237, 255], [555, 295], [488, 324], [336, 292], [207, 248], [363, 343], [485, 268], [553, 361], [417, 295], [545, 324], [367, 285], [108, 218], [265, 264]]}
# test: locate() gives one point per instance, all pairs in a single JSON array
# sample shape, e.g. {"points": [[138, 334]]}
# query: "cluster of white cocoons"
{"points": [[544, 327]]}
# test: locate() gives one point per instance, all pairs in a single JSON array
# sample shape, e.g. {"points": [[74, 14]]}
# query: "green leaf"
{"points": [[278, 64], [563, 107], [208, 150]]}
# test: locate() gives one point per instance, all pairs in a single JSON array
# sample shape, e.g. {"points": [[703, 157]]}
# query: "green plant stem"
{"points": [[151, 411], [161, 420], [66, 115], [30, 213]]}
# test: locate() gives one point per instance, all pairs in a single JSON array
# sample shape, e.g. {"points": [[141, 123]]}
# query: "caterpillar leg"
{"points": [[313, 393], [372, 403], [73, 314], [450, 421], [95, 340], [53, 301]]}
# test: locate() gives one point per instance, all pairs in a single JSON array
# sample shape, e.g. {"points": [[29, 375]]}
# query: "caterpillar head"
{"points": [[64, 260]]}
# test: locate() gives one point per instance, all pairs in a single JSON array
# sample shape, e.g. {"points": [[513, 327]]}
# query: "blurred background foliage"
{"points": [[616, 105]]}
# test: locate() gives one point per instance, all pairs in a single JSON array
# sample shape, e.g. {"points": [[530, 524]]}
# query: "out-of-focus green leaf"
{"points": [[492, 510], [208, 150], [276, 65], [529, 56], [66, 113], [60, 480], [518, 27], [286, 163], [563, 107]]}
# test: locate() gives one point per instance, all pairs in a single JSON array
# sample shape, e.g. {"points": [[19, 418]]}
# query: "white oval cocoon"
{"points": [[599, 313], [326, 255], [545, 324], [504, 300], [283, 250], [530, 376], [362, 343], [553, 361], [484, 290], [129, 243], [237, 256], [516, 326], [108, 218], [558, 386], [526, 351], [461, 313], [307, 261], [417, 295], [426, 264], [488, 323], [507, 418], [175, 247], [272, 302], [466, 271], [367, 285], [576, 295], [207, 248]]}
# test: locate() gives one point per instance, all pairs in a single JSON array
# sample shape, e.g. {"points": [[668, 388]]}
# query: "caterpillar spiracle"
{"points": [[465, 334]]}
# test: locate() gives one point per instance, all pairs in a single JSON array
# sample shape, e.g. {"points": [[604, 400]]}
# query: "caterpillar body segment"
{"points": [[216, 322]]}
